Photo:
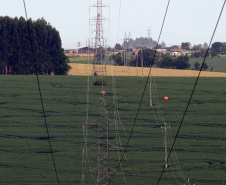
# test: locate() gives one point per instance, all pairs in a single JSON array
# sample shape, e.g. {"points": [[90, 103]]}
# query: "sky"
{"points": [[187, 20]]}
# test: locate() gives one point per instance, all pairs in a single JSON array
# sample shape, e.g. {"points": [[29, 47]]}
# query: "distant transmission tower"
{"points": [[149, 37], [149, 33], [99, 43], [125, 49]]}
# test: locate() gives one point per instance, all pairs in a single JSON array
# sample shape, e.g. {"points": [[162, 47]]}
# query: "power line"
{"points": [[40, 92], [192, 92], [145, 87]]}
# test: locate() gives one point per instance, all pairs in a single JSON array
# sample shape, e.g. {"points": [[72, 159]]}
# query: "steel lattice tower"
{"points": [[99, 40], [103, 169], [101, 146]]}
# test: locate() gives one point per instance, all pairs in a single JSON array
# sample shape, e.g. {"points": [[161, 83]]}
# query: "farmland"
{"points": [[25, 156], [85, 69], [78, 59], [217, 63]]}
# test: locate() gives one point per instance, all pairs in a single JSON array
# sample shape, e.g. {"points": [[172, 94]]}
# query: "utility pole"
{"points": [[189, 182], [165, 128], [149, 37], [142, 62], [137, 64], [129, 45]]}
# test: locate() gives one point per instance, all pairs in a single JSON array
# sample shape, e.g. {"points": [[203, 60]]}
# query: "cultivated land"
{"points": [[217, 63], [85, 69], [24, 152]]}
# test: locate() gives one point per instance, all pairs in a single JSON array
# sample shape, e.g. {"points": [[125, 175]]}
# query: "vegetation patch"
{"points": [[25, 157], [100, 82]]}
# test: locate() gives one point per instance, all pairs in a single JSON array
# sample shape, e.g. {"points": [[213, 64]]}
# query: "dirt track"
{"points": [[85, 69]]}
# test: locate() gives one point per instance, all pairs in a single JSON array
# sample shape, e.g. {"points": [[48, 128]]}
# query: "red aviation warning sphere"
{"points": [[165, 98], [102, 92]]}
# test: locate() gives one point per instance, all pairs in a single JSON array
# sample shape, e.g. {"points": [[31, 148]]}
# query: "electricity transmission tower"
{"points": [[149, 33], [103, 169], [99, 41], [96, 153], [101, 145]]}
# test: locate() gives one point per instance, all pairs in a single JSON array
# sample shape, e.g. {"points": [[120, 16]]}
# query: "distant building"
{"points": [[79, 51], [162, 51], [175, 53]]}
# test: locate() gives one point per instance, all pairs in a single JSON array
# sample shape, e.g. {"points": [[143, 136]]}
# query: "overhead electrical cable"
{"points": [[196, 82], [119, 18], [159, 113], [85, 159], [40, 93], [142, 97]]}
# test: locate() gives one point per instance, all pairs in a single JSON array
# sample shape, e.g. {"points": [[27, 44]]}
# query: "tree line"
{"points": [[15, 49], [145, 58]]}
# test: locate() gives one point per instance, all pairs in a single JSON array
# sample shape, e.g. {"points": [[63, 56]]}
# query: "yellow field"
{"points": [[85, 69]]}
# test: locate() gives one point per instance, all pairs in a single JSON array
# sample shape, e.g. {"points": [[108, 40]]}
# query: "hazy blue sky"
{"points": [[187, 20]]}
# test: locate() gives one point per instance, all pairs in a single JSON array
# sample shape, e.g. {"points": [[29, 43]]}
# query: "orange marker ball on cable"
{"points": [[102, 92], [165, 98]]}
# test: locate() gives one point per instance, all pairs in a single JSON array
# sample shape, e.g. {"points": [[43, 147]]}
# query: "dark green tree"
{"points": [[214, 53], [15, 49], [197, 66], [118, 59], [173, 47], [185, 45], [118, 47], [182, 62], [166, 62], [147, 55], [205, 45], [205, 66], [216, 46], [100, 55]]}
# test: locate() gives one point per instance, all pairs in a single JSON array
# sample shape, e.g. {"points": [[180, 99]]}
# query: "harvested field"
{"points": [[82, 70]]}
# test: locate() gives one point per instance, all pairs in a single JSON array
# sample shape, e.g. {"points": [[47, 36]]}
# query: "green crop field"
{"points": [[218, 63], [200, 148], [79, 59]]}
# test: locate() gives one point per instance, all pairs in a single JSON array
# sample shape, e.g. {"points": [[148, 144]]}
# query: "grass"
{"points": [[79, 59], [218, 63], [25, 157]]}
